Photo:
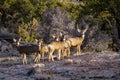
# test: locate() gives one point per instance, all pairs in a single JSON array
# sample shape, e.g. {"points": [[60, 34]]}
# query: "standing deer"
{"points": [[28, 50], [77, 41], [44, 49], [59, 46], [66, 52]]}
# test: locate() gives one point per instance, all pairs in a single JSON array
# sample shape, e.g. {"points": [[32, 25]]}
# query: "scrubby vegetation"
{"points": [[33, 19], [91, 25]]}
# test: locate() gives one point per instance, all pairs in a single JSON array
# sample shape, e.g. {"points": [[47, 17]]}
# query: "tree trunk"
{"points": [[115, 35]]}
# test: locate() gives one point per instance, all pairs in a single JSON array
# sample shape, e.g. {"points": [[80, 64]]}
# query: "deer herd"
{"points": [[40, 47]]}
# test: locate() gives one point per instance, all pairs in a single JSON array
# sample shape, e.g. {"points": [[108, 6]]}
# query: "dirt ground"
{"points": [[87, 66]]}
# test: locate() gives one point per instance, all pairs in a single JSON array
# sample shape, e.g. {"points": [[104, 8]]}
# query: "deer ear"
{"points": [[20, 39], [14, 40], [78, 30], [61, 34], [36, 40], [53, 36]]}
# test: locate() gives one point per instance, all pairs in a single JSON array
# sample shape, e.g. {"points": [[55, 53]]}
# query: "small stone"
{"points": [[68, 61]]}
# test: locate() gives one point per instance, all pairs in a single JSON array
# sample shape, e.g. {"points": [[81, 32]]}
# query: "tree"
{"points": [[108, 13]]}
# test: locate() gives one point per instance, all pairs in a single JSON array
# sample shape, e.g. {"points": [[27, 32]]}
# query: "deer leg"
{"points": [[68, 49], [43, 56], [59, 54], [51, 55], [37, 58], [78, 49], [24, 58], [64, 53]]}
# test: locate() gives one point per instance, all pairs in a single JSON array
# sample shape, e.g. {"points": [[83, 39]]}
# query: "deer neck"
{"points": [[39, 44], [82, 36]]}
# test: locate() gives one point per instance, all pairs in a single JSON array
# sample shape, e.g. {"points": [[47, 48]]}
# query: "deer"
{"points": [[44, 49], [66, 52], [26, 49], [58, 45], [77, 41]]}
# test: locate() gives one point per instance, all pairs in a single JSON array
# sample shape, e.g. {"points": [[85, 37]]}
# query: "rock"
{"points": [[68, 62], [101, 73], [39, 65], [62, 70], [37, 68]]}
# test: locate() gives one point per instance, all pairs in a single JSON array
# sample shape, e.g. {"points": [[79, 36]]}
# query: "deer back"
{"points": [[28, 49]]}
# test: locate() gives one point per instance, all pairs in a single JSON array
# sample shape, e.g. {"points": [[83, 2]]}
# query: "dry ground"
{"points": [[87, 66]]}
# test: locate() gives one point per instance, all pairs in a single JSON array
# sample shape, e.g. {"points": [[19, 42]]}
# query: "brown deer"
{"points": [[44, 49], [77, 41], [59, 46], [28, 50], [66, 52]]}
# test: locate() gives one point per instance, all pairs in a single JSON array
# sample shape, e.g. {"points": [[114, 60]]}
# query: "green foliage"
{"points": [[21, 14], [113, 46], [103, 8], [8, 3], [23, 33], [52, 3], [25, 9], [28, 31], [73, 10], [108, 14], [39, 7]]}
